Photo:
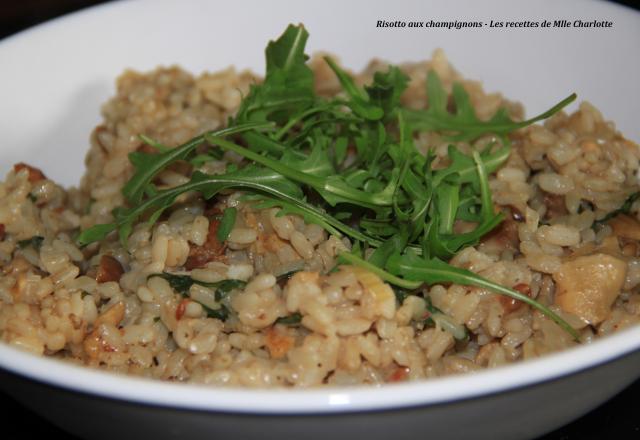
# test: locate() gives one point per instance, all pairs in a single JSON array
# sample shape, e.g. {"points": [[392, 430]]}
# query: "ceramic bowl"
{"points": [[54, 77]]}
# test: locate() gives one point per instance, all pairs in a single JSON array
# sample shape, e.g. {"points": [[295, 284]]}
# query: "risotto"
{"points": [[317, 228]]}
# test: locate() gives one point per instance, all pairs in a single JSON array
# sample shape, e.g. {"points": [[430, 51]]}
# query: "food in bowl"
{"points": [[314, 228]]}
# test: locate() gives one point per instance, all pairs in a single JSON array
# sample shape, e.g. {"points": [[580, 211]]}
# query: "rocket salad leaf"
{"points": [[463, 124], [148, 165]]}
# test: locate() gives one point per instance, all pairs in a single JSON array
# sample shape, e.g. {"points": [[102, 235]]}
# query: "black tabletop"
{"points": [[616, 419]]}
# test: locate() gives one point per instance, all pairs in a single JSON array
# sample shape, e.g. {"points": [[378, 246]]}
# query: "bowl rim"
{"points": [[69, 376], [280, 401]]}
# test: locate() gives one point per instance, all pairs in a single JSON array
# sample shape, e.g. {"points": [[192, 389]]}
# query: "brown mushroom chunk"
{"points": [[511, 304], [94, 343], [109, 269], [211, 250], [504, 236], [278, 343], [625, 226], [588, 286], [555, 205], [35, 174]]}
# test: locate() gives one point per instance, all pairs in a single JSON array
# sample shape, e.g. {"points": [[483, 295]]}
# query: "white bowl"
{"points": [[54, 77]]}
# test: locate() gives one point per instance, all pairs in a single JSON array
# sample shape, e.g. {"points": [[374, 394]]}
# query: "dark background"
{"points": [[617, 419]]}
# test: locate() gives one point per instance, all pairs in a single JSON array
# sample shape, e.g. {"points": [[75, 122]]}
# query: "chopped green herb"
{"points": [[401, 294], [226, 224], [293, 319], [224, 287], [434, 316], [182, 283], [286, 276], [35, 242], [222, 313], [625, 208], [431, 309], [438, 318]]}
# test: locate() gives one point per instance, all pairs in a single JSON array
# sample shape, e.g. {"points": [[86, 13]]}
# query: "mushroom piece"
{"points": [[625, 226], [588, 286]]}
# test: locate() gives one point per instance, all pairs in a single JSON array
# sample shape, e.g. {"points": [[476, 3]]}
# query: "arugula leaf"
{"points": [[464, 125], [288, 85], [451, 184], [332, 188], [386, 90], [391, 278], [380, 256], [359, 101], [226, 224], [448, 200], [257, 179], [434, 271], [465, 167], [148, 165]]}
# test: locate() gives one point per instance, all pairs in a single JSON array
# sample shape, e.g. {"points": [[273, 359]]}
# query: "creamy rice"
{"points": [[98, 306]]}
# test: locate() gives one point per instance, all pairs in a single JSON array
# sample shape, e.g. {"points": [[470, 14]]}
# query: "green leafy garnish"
{"points": [[293, 319], [438, 318], [390, 278], [349, 164], [435, 271], [182, 284], [463, 124], [260, 180], [625, 208], [148, 165], [226, 224], [288, 84], [221, 313]]}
